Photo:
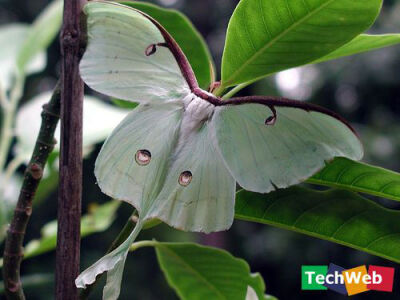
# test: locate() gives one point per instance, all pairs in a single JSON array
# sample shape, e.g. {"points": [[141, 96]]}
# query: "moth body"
{"points": [[196, 112]]}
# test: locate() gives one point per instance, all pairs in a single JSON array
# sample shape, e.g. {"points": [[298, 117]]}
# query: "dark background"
{"points": [[364, 88]]}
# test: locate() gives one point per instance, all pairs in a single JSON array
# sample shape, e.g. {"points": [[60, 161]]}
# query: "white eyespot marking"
{"points": [[143, 157], [270, 120], [185, 178]]}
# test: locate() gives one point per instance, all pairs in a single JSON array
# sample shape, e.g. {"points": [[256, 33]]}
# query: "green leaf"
{"points": [[338, 216], [99, 219], [264, 37], [256, 289], [95, 129], [186, 35], [41, 33], [198, 272], [12, 38], [49, 183], [8, 199], [33, 281], [356, 176], [362, 43], [124, 104]]}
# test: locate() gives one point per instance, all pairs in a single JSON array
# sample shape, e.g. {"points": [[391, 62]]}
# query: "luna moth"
{"points": [[178, 155]]}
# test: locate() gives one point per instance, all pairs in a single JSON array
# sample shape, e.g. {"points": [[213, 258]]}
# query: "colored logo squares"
{"points": [[347, 281]]}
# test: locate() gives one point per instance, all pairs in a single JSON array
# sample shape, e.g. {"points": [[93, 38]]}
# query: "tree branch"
{"points": [[13, 252], [70, 186]]}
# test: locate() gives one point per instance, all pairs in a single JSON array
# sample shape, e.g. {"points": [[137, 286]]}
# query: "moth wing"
{"points": [[262, 157], [152, 128], [115, 61], [205, 204]]}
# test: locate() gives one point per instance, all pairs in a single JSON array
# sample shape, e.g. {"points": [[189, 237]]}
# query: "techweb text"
{"points": [[347, 282]]}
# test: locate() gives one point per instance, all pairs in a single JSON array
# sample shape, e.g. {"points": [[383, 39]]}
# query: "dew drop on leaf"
{"points": [[185, 178], [143, 157]]}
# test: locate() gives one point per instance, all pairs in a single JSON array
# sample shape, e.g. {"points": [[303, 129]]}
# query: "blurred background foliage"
{"points": [[364, 89]]}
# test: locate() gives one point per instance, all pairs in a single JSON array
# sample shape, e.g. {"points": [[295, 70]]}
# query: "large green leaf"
{"points": [[264, 37], [188, 38], [41, 33], [356, 176], [338, 216], [363, 43], [198, 272]]}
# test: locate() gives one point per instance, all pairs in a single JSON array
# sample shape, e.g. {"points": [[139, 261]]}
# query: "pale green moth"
{"points": [[178, 156]]}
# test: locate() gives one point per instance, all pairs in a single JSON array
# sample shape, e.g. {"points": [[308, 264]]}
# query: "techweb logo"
{"points": [[347, 282]]}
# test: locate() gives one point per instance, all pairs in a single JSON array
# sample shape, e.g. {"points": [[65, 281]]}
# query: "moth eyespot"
{"points": [[150, 50], [270, 120], [185, 178], [143, 157]]}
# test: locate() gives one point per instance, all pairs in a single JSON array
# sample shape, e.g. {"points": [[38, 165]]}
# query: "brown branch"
{"points": [[13, 252], [70, 186]]}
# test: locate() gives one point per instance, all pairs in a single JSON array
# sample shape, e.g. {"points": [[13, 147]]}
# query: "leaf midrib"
{"points": [[278, 37], [354, 188], [240, 216]]}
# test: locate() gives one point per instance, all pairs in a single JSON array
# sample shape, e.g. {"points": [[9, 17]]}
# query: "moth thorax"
{"points": [[197, 112], [199, 109]]}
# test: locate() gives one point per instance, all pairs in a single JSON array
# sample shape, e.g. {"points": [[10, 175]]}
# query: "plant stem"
{"points": [[122, 236], [236, 89], [13, 251], [12, 166], [3, 97], [9, 109], [142, 244], [70, 185]]}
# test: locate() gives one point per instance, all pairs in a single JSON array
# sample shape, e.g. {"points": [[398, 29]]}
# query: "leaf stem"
{"points": [[142, 244], [13, 251], [3, 97], [236, 89]]}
